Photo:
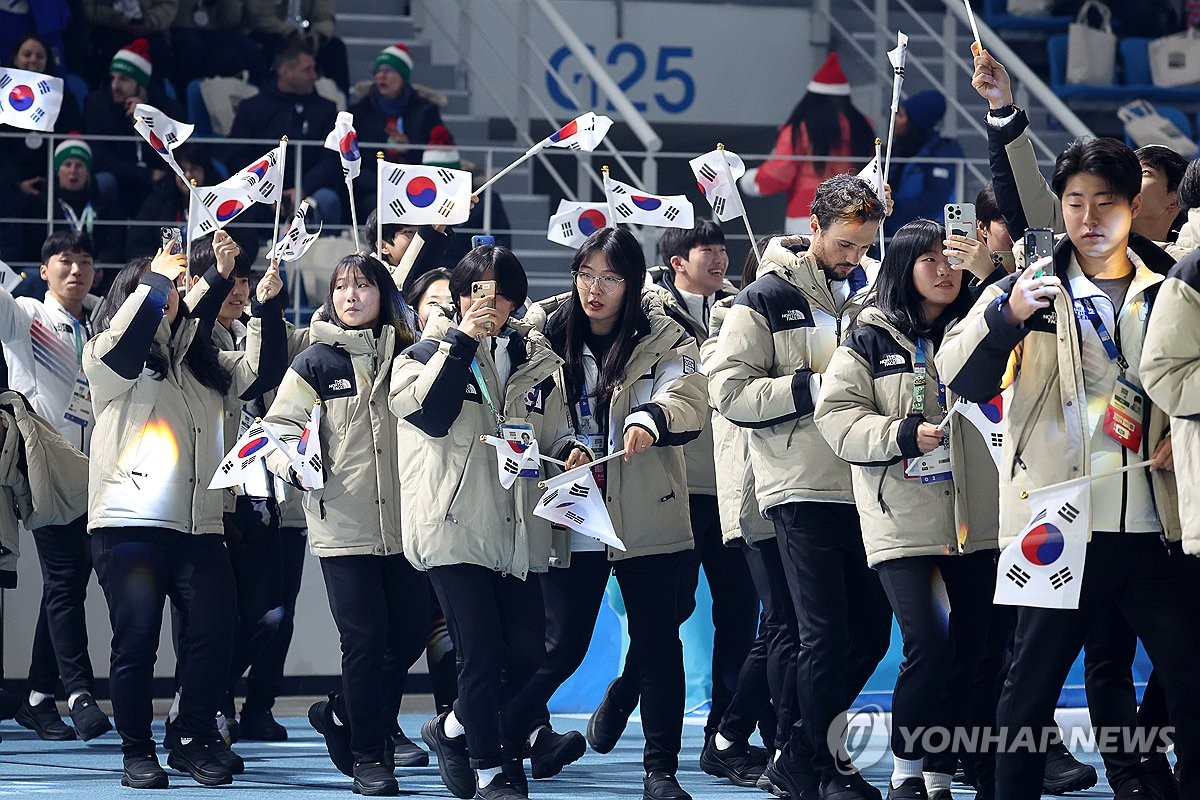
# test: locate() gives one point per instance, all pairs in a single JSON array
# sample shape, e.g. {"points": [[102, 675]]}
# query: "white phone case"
{"points": [[960, 221]]}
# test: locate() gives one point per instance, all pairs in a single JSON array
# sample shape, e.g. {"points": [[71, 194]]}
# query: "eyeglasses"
{"points": [[607, 283]]}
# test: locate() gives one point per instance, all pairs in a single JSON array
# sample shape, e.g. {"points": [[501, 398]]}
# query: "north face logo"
{"points": [[340, 385], [793, 315], [892, 360]]}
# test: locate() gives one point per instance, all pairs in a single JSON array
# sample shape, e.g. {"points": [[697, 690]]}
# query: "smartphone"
{"points": [[173, 237], [1039, 243], [960, 221], [479, 241], [485, 289]]}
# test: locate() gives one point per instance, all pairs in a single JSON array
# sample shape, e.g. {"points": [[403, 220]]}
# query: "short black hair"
{"points": [[987, 210], [421, 285], [290, 54], [1106, 158], [1189, 186], [203, 259], [1165, 160], [67, 242], [197, 155], [896, 294], [680, 241], [848, 198], [389, 231], [507, 271]]}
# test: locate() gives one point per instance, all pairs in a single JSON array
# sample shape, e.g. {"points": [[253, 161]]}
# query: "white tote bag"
{"points": [[1175, 59], [1145, 125], [1091, 52]]}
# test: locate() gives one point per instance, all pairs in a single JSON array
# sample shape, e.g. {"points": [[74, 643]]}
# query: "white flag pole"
{"points": [[530, 153], [974, 27], [353, 212], [589, 465], [897, 82], [738, 194], [879, 184], [188, 221], [375, 246], [484, 438], [283, 140], [612, 213], [1089, 478]]}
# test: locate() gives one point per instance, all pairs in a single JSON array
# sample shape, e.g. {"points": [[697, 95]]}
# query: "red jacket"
{"points": [[801, 178]]}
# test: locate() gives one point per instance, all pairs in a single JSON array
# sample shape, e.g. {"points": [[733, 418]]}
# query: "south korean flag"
{"points": [[574, 501], [29, 100], [415, 194], [638, 208], [1043, 566], [573, 223]]}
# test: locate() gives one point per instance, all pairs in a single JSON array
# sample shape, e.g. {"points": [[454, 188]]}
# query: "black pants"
{"points": [[381, 610], [497, 623], [252, 538], [1127, 574], [60, 641], [138, 569], [990, 674], [943, 604], [843, 621], [265, 680], [778, 631], [650, 590]]}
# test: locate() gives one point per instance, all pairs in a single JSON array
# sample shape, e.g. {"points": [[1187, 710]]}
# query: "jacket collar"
{"points": [[802, 271], [356, 343]]}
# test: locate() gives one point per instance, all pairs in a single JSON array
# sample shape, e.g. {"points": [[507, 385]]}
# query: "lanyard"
{"points": [[78, 340], [919, 374], [1110, 347], [487, 395], [80, 223]]}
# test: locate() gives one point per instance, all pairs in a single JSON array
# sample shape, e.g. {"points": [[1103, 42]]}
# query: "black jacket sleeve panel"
{"points": [[979, 379], [210, 302], [1003, 180], [906, 437], [665, 437], [444, 401], [128, 356], [430, 256], [272, 359]]}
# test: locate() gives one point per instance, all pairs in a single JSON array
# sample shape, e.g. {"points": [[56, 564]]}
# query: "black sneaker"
{"points": [[43, 719], [260, 726], [9, 703], [941, 794], [765, 784], [232, 761], [143, 772], [408, 753], [859, 782], [853, 787], [87, 718], [608, 721], [659, 785], [337, 737], [193, 756], [499, 789], [232, 729], [551, 751], [1064, 773], [793, 780], [734, 763], [374, 779], [1158, 779], [909, 789], [454, 765], [514, 773], [1131, 789]]}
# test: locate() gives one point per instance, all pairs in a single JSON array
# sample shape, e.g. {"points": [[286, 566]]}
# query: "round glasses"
{"points": [[607, 283]]}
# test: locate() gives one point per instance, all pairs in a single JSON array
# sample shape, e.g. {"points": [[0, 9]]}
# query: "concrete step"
{"points": [[375, 25]]}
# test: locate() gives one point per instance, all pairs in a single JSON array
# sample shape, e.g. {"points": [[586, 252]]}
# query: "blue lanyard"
{"points": [[487, 395], [919, 374], [1110, 347]]}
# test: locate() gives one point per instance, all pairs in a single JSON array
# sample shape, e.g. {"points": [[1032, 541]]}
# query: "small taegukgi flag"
{"points": [[573, 223], [1043, 566], [162, 133], [214, 207], [585, 132], [573, 500], [414, 194], [29, 100], [512, 458], [898, 57], [718, 184], [343, 140], [296, 241], [660, 211], [306, 460], [253, 445], [988, 418]]}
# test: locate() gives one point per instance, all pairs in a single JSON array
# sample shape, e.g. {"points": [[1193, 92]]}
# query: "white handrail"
{"points": [[646, 135]]}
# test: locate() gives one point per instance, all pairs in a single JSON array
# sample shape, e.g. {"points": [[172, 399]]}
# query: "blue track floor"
{"points": [[300, 769]]}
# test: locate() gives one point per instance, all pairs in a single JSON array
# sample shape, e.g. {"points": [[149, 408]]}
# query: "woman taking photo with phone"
{"points": [[630, 382], [481, 374], [379, 602], [881, 407], [159, 387]]}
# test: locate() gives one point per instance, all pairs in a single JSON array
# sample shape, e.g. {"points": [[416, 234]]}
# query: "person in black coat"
{"points": [[124, 171], [290, 107]]}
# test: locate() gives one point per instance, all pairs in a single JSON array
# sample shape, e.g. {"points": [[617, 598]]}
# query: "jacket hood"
{"points": [[872, 315]]}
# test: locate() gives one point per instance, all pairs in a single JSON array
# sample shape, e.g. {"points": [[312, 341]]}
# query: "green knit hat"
{"points": [[134, 60], [73, 148], [398, 58]]}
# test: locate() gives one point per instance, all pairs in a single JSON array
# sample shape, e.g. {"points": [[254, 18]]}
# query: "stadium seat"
{"points": [[219, 99], [995, 13], [78, 87], [1056, 50], [196, 110], [1135, 57]]}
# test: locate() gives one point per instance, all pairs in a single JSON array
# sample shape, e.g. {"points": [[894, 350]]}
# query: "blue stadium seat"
{"points": [[1135, 56], [196, 110], [995, 13], [78, 87], [1056, 50]]}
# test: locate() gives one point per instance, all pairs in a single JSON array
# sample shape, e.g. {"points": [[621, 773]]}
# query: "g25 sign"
{"points": [[672, 86]]}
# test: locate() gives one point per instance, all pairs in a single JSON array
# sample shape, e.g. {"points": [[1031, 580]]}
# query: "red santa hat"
{"points": [[830, 79]]}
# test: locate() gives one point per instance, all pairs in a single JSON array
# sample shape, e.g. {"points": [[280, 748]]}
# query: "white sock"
{"points": [[721, 742], [905, 768], [336, 720], [37, 698], [936, 781], [71, 700], [533, 736], [484, 777], [778, 753], [454, 728], [174, 712]]}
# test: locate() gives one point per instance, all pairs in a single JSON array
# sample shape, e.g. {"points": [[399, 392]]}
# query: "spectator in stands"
{"points": [[168, 202], [114, 23], [47, 20], [396, 112], [77, 206], [274, 32], [992, 230], [23, 159], [208, 40], [1161, 216], [921, 189], [289, 106], [824, 123], [125, 170]]}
